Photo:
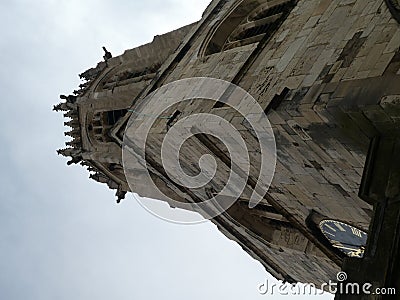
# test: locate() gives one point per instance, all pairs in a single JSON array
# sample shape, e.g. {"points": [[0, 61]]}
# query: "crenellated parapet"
{"points": [[70, 109], [89, 76], [97, 107]]}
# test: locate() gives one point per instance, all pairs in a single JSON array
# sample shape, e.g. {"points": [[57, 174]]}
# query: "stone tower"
{"points": [[326, 73]]}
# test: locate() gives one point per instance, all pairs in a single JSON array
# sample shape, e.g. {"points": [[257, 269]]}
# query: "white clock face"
{"points": [[345, 237]]}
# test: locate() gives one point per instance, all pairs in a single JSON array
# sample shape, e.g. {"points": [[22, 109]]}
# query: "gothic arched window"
{"points": [[249, 22]]}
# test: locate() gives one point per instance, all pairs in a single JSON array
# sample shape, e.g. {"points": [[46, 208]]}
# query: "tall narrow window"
{"points": [[248, 23]]}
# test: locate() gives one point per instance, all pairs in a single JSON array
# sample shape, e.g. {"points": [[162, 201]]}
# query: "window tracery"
{"points": [[250, 22]]}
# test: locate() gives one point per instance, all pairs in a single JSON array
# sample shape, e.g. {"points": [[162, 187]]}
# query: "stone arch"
{"points": [[248, 22]]}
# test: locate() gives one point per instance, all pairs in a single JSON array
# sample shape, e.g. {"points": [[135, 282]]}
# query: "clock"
{"points": [[346, 238], [394, 7]]}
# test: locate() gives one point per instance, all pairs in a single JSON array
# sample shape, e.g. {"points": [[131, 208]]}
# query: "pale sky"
{"points": [[61, 235]]}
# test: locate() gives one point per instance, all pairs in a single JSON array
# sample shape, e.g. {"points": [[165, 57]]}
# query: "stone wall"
{"points": [[328, 79]]}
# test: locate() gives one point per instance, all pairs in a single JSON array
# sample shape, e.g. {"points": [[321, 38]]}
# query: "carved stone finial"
{"points": [[94, 176], [84, 85], [120, 194], [107, 54], [69, 98], [99, 177], [72, 123], [60, 107], [74, 160], [74, 143], [64, 152], [71, 114], [71, 152], [73, 133]]}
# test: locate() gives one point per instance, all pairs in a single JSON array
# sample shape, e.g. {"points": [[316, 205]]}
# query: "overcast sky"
{"points": [[61, 235]]}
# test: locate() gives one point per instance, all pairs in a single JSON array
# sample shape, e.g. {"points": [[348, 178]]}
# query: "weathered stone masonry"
{"points": [[325, 71]]}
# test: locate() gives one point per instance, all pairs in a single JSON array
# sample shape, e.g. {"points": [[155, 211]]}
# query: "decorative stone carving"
{"points": [[61, 107], [120, 194], [107, 54], [92, 73], [249, 23], [333, 74], [69, 98]]}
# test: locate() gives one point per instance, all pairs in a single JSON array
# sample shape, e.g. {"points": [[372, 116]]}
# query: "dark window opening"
{"points": [[98, 131], [114, 115], [277, 100]]}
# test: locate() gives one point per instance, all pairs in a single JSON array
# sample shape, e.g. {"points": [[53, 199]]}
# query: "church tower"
{"points": [[327, 75]]}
